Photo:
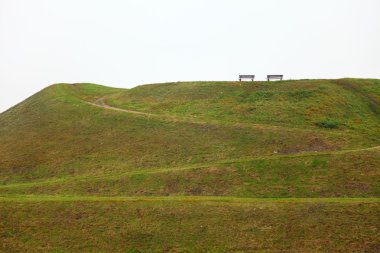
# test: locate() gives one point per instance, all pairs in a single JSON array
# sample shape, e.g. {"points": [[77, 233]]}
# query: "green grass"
{"points": [[80, 198], [291, 103], [193, 167], [355, 174], [172, 225], [327, 124]]}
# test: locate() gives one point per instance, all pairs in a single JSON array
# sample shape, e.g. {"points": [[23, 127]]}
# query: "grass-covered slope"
{"points": [[185, 225], [291, 139], [58, 142], [350, 103]]}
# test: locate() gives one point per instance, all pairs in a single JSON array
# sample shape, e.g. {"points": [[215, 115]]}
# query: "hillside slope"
{"points": [[59, 141], [81, 143]]}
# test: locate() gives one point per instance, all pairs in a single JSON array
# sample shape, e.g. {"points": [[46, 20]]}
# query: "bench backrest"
{"points": [[246, 76], [270, 77]]}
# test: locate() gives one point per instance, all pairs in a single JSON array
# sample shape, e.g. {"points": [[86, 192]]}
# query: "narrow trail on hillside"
{"points": [[197, 166], [102, 104], [223, 199]]}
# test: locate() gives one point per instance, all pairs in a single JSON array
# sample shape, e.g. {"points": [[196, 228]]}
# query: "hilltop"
{"points": [[212, 155]]}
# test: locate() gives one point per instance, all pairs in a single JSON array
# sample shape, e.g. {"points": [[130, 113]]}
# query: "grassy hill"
{"points": [[193, 167]]}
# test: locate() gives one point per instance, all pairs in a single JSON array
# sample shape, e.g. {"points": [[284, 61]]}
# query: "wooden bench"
{"points": [[275, 77], [252, 77]]}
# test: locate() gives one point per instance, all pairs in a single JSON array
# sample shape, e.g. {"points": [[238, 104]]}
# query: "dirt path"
{"points": [[85, 178], [101, 103]]}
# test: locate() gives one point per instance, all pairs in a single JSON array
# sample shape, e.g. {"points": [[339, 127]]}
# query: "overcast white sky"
{"points": [[125, 43]]}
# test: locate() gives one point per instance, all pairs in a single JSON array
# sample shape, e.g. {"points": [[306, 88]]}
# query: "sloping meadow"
{"points": [[291, 166]]}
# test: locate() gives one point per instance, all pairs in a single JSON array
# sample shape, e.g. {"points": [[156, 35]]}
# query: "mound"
{"points": [[96, 145]]}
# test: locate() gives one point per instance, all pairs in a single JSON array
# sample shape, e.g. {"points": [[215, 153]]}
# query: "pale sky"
{"points": [[124, 43]]}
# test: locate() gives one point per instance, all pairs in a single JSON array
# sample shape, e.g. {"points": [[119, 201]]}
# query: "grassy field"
{"points": [[291, 166], [63, 224]]}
